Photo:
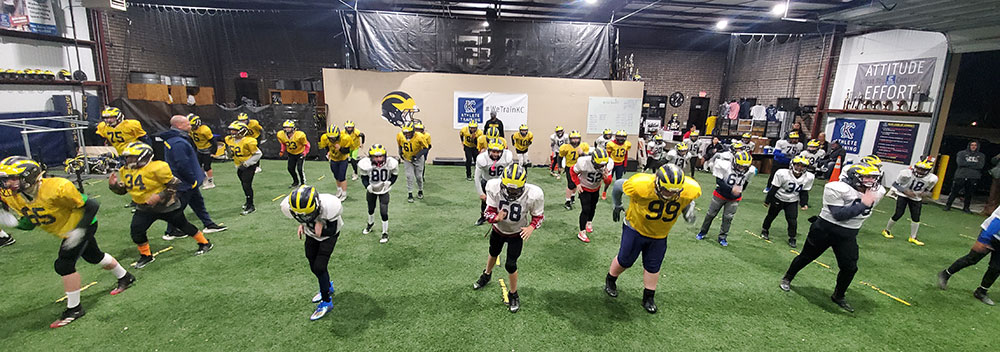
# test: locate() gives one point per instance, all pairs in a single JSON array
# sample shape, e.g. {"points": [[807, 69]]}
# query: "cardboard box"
{"points": [[151, 92], [205, 96], [178, 94]]}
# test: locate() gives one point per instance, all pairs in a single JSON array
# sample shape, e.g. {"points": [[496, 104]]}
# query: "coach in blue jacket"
{"points": [[183, 161]]}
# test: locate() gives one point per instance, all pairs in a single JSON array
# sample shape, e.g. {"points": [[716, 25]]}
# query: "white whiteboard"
{"points": [[614, 113]]}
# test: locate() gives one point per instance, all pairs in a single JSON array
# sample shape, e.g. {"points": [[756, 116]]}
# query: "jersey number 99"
{"points": [[663, 211]]}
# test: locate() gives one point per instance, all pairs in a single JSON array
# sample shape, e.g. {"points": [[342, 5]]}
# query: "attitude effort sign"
{"points": [[893, 80]]}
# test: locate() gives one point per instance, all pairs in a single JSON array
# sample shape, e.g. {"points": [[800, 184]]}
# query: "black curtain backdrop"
{"points": [[407, 42]]}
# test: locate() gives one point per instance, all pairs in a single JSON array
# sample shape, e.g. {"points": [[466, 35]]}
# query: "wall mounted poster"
{"points": [[893, 80], [894, 141], [28, 16], [849, 132]]}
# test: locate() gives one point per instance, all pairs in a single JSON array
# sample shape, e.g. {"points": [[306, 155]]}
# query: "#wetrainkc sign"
{"points": [[893, 80], [850, 133], [512, 109]]}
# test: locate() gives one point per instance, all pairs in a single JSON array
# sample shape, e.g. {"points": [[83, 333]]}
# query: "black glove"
{"points": [[616, 214]]}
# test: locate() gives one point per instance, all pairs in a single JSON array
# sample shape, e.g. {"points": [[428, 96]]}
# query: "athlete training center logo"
{"points": [[849, 133], [470, 109]]}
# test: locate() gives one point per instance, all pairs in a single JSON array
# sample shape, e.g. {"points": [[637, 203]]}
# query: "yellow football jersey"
{"points": [[255, 128], [647, 213], [294, 145], [346, 141], [618, 153], [427, 138], [469, 139], [410, 147], [482, 142], [356, 135], [521, 143], [146, 181], [202, 137], [57, 209], [119, 136], [571, 154], [242, 149]]}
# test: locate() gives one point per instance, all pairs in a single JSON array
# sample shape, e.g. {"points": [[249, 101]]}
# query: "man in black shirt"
{"points": [[494, 121]]}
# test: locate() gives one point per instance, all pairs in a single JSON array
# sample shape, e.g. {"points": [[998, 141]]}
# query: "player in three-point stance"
{"points": [[515, 209], [911, 186], [655, 203], [378, 173], [789, 190], [318, 215], [846, 205]]}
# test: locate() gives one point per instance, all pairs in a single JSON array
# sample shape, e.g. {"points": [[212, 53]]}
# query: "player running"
{"points": [[570, 152], [492, 134], [255, 130], [789, 190], [655, 203], [56, 206], [153, 188], [515, 209], [556, 141], [748, 143], [911, 186], [204, 143], [678, 155], [318, 215], [589, 172], [294, 143], [987, 243], [469, 135], [418, 129], [731, 178], [656, 153], [521, 141], [697, 148], [814, 154], [602, 141], [243, 150], [378, 173], [357, 135], [117, 131], [490, 165], [784, 151], [618, 152], [412, 149], [846, 205], [338, 146]]}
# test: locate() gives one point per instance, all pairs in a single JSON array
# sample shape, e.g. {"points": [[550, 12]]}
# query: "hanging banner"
{"points": [[28, 16], [849, 132], [512, 109], [894, 141], [893, 80]]}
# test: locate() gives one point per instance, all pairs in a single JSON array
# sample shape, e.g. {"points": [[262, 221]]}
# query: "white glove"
{"points": [[73, 238], [689, 215], [7, 219]]}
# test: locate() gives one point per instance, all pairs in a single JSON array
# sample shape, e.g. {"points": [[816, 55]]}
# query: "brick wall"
{"points": [[667, 71], [215, 48], [766, 70]]}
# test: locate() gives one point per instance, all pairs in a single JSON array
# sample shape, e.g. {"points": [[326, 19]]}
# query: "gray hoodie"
{"points": [[970, 163]]}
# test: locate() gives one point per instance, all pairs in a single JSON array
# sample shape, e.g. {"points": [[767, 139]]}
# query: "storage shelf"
{"points": [[879, 112], [50, 82], [44, 37]]}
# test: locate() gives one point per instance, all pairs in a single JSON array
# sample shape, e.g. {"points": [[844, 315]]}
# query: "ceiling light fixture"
{"points": [[591, 2], [486, 23], [779, 9], [722, 24]]}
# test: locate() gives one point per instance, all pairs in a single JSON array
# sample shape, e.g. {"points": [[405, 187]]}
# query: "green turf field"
{"points": [[252, 292]]}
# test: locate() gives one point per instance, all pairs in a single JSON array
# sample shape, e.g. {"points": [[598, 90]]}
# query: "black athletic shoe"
{"points": [[842, 303], [173, 236], [649, 304], [785, 285], [568, 205], [468, 178], [213, 228], [515, 302], [765, 233], [981, 295], [368, 228], [611, 288], [6, 241], [791, 242], [943, 279], [484, 279], [143, 261], [68, 316], [204, 248], [249, 210], [420, 194], [409, 198], [481, 221], [384, 239], [124, 283]]}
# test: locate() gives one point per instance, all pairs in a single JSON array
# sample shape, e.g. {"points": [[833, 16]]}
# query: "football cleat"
{"points": [[765, 234], [409, 198], [515, 302], [213, 228], [915, 241], [649, 304], [842, 303], [6, 241], [368, 228], [204, 248], [354, 177], [582, 235], [791, 242], [319, 296], [249, 210], [766, 190], [173, 236], [468, 178], [943, 279], [68, 316], [887, 234], [143, 261], [699, 236], [611, 288], [484, 279], [568, 205], [124, 283], [420, 194], [480, 221], [208, 185], [321, 310], [590, 227], [604, 195], [384, 239], [981, 295], [723, 242], [785, 285]]}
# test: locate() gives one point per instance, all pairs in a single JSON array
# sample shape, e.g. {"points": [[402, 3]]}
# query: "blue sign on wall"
{"points": [[849, 132], [470, 109]]}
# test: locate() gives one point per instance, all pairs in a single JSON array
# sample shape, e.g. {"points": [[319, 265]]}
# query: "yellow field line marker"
{"points": [[157, 253], [278, 197], [758, 236], [503, 291], [886, 293], [81, 290], [97, 196], [814, 261], [967, 236], [880, 211], [321, 178]]}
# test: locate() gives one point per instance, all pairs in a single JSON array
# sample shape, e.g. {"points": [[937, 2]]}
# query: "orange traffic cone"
{"points": [[835, 174]]}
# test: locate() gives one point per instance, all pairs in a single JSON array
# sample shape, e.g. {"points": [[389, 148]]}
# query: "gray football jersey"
{"points": [[841, 194]]}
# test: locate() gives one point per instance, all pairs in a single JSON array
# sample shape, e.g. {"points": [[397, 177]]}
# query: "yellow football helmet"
{"points": [[303, 202], [333, 133], [813, 145], [559, 129], [523, 128], [288, 124], [575, 135], [793, 135], [600, 158], [137, 155], [419, 127], [512, 181], [669, 182], [863, 176], [607, 133], [348, 124], [493, 132], [799, 165], [408, 130], [195, 120], [742, 161], [25, 171], [473, 125], [737, 146], [243, 117], [923, 167], [239, 129], [747, 135], [694, 135], [112, 116], [872, 160]]}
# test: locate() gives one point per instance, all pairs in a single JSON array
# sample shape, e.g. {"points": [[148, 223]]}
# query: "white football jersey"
{"points": [[378, 177], [656, 150], [590, 177], [789, 149], [519, 211], [557, 142], [789, 186], [841, 194], [330, 209], [749, 146], [918, 185], [676, 159], [601, 143], [724, 155], [813, 158], [696, 148], [487, 169], [723, 170]]}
